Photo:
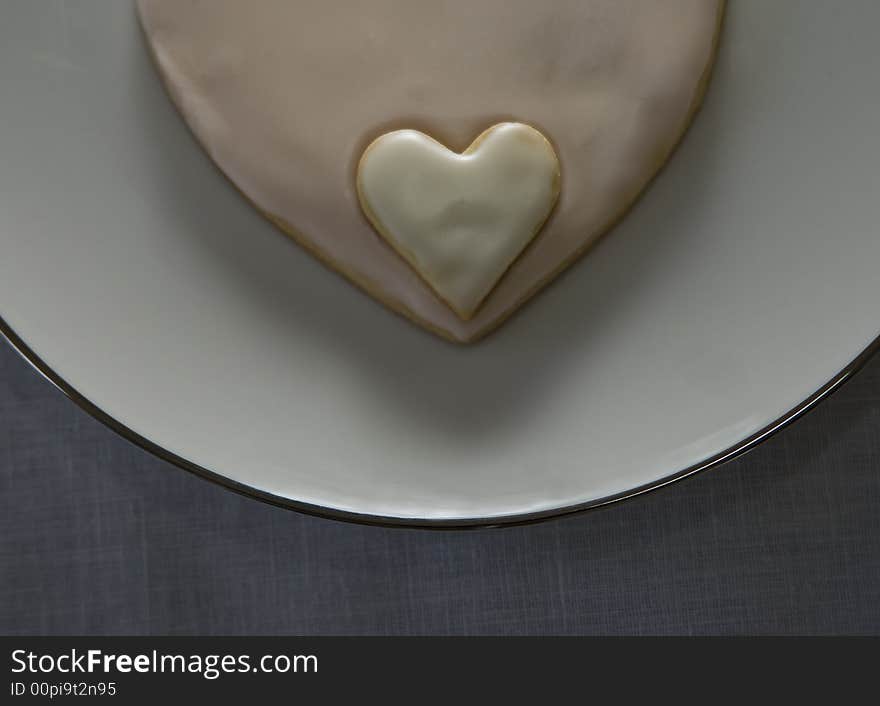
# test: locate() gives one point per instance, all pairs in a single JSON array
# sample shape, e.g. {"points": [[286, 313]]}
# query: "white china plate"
{"points": [[741, 289]]}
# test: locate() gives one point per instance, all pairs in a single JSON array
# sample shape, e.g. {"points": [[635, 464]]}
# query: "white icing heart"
{"points": [[460, 220]]}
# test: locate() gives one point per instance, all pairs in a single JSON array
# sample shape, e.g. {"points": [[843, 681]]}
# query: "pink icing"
{"points": [[285, 97]]}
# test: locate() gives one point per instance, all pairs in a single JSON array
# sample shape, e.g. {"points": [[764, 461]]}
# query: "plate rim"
{"points": [[518, 519]]}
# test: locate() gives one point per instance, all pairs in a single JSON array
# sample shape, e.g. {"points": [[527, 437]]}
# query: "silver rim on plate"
{"points": [[718, 459]]}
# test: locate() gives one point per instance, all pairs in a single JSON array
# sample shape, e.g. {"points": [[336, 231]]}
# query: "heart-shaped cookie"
{"points": [[460, 219], [287, 96]]}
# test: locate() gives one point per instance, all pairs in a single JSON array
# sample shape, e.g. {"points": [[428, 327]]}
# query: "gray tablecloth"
{"points": [[99, 537]]}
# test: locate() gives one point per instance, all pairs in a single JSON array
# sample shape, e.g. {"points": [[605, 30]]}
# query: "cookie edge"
{"points": [[399, 307]]}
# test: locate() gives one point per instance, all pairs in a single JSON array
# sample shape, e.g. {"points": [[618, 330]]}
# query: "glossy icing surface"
{"points": [[460, 219], [285, 97]]}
